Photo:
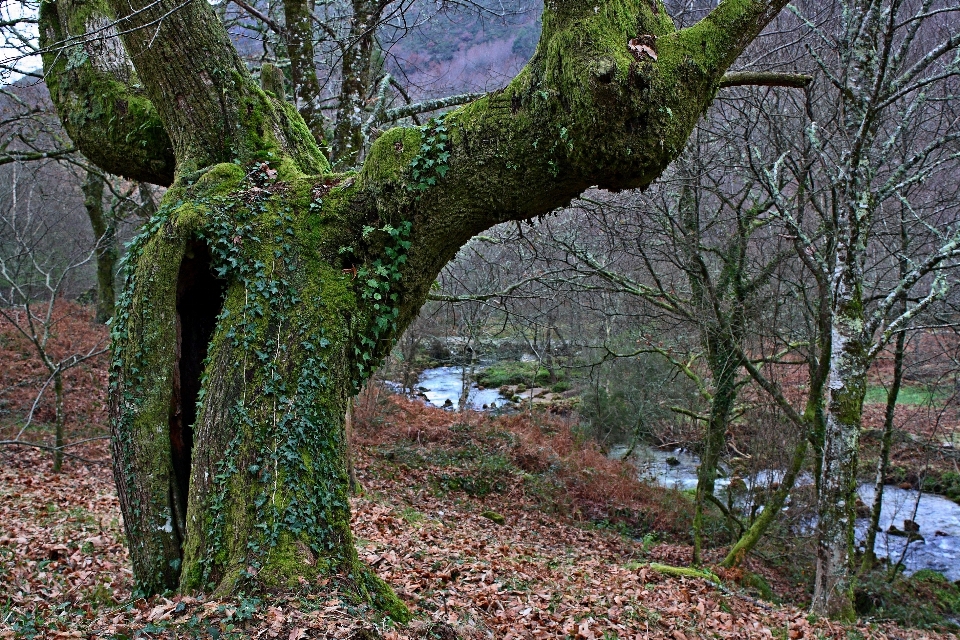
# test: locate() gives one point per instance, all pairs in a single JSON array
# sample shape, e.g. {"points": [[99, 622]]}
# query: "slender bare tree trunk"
{"points": [[348, 142], [724, 366], [59, 435], [883, 461], [298, 36], [107, 252], [836, 508]]}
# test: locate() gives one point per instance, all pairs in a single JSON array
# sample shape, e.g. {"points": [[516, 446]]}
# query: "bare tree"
{"points": [[36, 267], [893, 79]]}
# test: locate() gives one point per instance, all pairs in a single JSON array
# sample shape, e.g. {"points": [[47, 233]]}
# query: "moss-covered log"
{"points": [[267, 288]]}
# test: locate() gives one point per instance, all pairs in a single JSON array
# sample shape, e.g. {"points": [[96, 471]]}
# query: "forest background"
{"points": [[711, 313]]}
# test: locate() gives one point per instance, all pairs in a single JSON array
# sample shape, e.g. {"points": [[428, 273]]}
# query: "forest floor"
{"points": [[509, 527], [427, 522]]}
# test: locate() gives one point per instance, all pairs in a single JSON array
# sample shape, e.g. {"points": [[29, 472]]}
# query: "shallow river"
{"points": [[445, 383], [938, 517]]}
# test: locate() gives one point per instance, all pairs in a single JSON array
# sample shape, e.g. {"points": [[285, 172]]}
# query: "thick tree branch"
{"points": [[93, 85], [765, 79], [585, 111], [570, 120], [209, 104]]}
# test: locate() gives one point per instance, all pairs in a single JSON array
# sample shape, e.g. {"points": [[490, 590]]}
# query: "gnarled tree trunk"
{"points": [[267, 288]]}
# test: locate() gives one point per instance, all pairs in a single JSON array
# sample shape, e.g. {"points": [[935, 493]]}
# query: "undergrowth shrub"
{"points": [[925, 600], [23, 375], [536, 458], [630, 399], [511, 373], [947, 484]]}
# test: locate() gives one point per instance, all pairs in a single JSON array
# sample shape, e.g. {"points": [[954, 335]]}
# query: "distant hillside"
{"points": [[465, 50]]}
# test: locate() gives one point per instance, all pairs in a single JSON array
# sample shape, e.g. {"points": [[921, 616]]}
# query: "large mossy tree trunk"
{"points": [[267, 288], [249, 330]]}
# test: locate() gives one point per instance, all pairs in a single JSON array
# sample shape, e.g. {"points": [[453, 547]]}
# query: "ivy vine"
{"points": [[430, 164], [251, 238], [378, 278]]}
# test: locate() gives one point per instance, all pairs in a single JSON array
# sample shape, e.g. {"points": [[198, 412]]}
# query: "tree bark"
{"points": [[97, 93], [348, 140], [266, 289], [724, 367], [107, 252], [836, 502], [59, 436], [298, 36]]}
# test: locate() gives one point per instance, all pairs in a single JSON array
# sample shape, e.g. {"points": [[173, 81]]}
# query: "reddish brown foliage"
{"points": [[582, 482], [537, 576], [72, 332]]}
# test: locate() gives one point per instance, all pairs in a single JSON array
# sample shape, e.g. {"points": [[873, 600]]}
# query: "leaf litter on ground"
{"points": [[539, 569]]}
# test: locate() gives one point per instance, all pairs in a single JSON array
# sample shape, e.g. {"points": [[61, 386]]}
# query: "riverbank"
{"points": [[455, 514], [923, 454]]}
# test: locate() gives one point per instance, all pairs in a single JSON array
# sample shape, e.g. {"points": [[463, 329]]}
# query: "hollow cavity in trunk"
{"points": [[199, 301]]}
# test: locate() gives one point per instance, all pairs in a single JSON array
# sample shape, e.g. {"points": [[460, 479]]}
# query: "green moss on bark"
{"points": [[94, 89], [268, 494], [143, 346]]}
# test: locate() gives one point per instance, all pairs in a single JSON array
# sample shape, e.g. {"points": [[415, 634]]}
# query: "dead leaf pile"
{"points": [[61, 550]]}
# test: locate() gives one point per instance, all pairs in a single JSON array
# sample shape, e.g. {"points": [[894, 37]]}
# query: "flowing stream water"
{"points": [[938, 517], [442, 387]]}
